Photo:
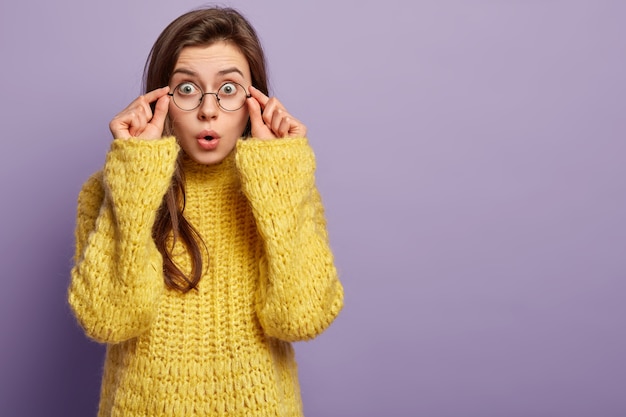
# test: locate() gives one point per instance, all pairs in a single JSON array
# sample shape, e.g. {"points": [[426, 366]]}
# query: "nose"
{"points": [[209, 108]]}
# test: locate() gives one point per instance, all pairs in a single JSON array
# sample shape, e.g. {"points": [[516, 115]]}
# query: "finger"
{"points": [[301, 131], [257, 126], [133, 119], [278, 118], [141, 117], [284, 127], [118, 130], [137, 124], [160, 112], [284, 124], [145, 112], [292, 128], [156, 94], [254, 109], [271, 107], [259, 96]]}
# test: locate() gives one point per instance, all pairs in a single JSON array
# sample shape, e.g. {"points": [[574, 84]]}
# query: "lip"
{"points": [[208, 144]]}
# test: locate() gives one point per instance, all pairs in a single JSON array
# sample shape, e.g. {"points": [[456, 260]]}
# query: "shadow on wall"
{"points": [[51, 369], [74, 373]]}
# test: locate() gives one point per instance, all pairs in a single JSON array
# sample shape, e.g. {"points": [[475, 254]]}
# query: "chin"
{"points": [[208, 158]]}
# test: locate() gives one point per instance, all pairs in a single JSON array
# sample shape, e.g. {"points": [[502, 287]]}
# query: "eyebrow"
{"points": [[185, 71], [195, 74], [230, 70]]}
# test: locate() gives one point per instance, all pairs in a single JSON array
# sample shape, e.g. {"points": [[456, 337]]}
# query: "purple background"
{"points": [[471, 155]]}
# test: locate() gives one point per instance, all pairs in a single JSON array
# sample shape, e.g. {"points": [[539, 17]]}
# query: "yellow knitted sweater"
{"points": [[225, 348]]}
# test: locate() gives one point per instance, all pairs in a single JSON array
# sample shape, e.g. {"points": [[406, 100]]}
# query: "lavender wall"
{"points": [[471, 156]]}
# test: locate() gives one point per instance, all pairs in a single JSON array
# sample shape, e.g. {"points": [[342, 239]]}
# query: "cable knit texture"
{"points": [[223, 349]]}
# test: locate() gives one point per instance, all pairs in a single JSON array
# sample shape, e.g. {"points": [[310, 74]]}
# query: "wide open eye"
{"points": [[187, 89], [228, 89]]}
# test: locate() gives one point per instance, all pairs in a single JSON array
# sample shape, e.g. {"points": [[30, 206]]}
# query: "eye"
{"points": [[228, 89], [187, 89]]}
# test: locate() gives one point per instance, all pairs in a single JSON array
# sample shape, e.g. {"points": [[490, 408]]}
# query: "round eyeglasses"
{"points": [[231, 96]]}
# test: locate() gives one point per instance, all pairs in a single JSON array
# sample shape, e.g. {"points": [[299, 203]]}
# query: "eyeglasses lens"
{"points": [[230, 97]]}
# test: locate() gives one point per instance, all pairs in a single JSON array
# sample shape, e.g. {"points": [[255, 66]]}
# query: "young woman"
{"points": [[201, 246]]}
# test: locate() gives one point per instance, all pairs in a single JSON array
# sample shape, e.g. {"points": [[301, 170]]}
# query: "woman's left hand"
{"points": [[270, 120]]}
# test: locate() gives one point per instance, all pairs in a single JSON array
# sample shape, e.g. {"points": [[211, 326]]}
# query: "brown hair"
{"points": [[196, 28]]}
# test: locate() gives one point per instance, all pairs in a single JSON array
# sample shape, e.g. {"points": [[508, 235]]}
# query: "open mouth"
{"points": [[208, 136]]}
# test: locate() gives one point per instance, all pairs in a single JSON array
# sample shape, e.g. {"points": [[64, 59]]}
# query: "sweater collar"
{"points": [[222, 173]]}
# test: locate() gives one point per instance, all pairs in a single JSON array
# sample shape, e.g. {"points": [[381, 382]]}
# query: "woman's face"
{"points": [[209, 133]]}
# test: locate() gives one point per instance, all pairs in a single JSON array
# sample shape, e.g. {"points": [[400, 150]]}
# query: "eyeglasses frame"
{"points": [[217, 97]]}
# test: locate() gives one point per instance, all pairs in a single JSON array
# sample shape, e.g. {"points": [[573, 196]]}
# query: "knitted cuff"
{"points": [[139, 171], [279, 169]]}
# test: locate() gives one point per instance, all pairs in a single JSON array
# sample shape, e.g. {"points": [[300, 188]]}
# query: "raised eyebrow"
{"points": [[230, 70], [185, 71], [195, 74], [220, 73]]}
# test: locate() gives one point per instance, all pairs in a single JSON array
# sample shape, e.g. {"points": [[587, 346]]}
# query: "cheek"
{"points": [[177, 120], [173, 112], [244, 120]]}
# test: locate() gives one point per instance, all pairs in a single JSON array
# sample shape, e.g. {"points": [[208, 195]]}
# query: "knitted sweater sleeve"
{"points": [[117, 277], [299, 293]]}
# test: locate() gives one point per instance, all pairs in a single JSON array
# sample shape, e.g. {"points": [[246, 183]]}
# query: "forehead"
{"points": [[208, 60]]}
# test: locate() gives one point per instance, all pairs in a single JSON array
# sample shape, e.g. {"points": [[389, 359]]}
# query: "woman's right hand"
{"points": [[137, 119]]}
